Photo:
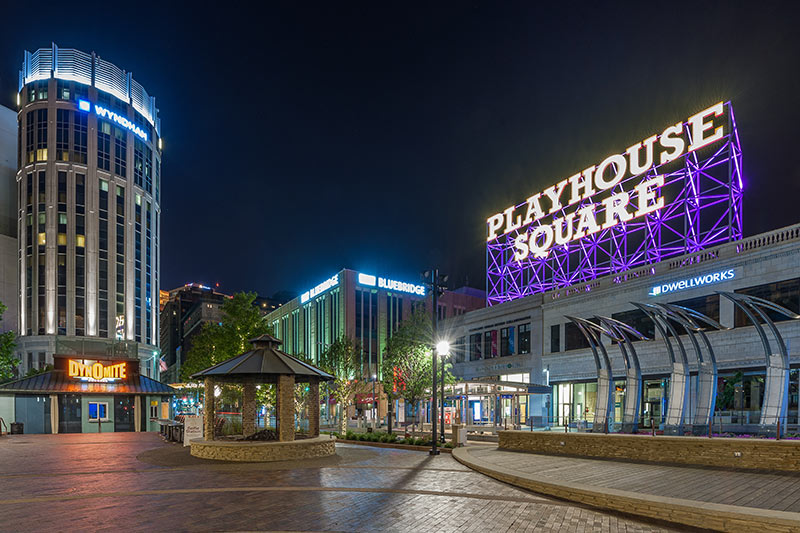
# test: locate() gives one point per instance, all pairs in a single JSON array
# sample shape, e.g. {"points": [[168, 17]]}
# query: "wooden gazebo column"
{"points": [[285, 408], [210, 410], [313, 407]]}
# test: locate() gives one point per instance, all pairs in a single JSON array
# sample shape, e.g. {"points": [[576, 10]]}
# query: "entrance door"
{"points": [[123, 413], [69, 413]]}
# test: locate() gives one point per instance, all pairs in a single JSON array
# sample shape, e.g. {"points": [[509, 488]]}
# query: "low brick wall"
{"points": [[755, 454], [260, 452]]}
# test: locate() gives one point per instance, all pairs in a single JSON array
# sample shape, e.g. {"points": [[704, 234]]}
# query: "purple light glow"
{"points": [[702, 208]]}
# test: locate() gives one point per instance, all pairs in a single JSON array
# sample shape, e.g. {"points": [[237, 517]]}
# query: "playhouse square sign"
{"points": [[545, 213]]}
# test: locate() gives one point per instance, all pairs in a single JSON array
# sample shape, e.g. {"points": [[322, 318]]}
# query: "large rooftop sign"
{"points": [[675, 192]]}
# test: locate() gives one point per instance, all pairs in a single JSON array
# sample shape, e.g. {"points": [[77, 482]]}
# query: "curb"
{"points": [[698, 514], [390, 445]]}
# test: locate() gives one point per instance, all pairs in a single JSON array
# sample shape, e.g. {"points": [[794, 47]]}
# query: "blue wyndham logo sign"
{"points": [[101, 111], [691, 283]]}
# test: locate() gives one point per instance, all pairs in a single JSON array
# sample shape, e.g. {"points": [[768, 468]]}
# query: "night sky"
{"points": [[300, 139]]}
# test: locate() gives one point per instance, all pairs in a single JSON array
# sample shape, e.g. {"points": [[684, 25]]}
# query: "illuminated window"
{"points": [[80, 241], [42, 218], [62, 218], [62, 239], [98, 411], [41, 239]]}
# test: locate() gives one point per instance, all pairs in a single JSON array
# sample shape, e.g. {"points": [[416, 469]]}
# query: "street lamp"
{"points": [[374, 425], [443, 349], [437, 287]]}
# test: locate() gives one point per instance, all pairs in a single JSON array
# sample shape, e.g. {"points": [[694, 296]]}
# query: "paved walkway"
{"points": [[773, 491], [135, 482]]}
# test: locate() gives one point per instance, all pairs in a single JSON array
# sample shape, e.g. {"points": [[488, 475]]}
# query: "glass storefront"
{"points": [[34, 410]]}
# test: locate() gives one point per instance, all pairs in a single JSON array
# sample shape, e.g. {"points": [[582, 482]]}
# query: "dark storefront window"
{"points": [[640, 322], [573, 338], [124, 413], [524, 331], [708, 305], [506, 341], [784, 293], [475, 347], [488, 349], [69, 413], [555, 338]]}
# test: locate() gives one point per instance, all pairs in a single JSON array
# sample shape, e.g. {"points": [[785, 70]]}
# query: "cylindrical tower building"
{"points": [[89, 210]]}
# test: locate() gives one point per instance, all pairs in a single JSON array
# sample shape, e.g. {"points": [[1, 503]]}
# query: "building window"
{"points": [[524, 331], [641, 322], [490, 344], [62, 134], [784, 293], [475, 347], [98, 411], [507, 341], [103, 145], [120, 152], [573, 338], [555, 338], [79, 137], [41, 135]]}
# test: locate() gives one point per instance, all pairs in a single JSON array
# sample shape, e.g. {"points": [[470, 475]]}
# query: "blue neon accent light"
{"points": [[84, 105]]}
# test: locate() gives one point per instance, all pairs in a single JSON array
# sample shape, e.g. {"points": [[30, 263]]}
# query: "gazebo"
{"points": [[265, 363]]}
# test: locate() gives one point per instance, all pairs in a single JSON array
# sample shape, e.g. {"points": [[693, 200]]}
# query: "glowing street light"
{"points": [[443, 348]]}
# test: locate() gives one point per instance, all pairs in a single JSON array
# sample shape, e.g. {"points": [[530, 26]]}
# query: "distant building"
{"points": [[364, 307], [9, 280], [183, 314]]}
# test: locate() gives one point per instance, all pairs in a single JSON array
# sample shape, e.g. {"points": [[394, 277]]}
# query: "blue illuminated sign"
{"points": [[101, 111], [390, 284], [691, 283]]}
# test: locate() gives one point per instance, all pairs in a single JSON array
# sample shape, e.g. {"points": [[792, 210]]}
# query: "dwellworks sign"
{"points": [[690, 283]]}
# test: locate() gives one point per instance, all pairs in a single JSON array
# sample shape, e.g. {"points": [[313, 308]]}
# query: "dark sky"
{"points": [[301, 138]]}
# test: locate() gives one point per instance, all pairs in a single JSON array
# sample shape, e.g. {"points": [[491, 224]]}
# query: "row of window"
{"points": [[71, 146], [35, 258], [511, 340]]}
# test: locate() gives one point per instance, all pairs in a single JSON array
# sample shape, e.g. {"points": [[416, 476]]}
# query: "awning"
{"points": [[56, 381]]}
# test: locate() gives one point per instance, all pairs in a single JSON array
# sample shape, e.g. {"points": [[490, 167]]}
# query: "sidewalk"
{"points": [[700, 497]]}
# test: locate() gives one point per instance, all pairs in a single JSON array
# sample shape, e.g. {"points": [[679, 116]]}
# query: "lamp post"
{"points": [[443, 350], [436, 286], [374, 401]]}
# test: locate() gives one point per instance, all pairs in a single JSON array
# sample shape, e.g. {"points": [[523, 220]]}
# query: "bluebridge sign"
{"points": [[691, 283]]}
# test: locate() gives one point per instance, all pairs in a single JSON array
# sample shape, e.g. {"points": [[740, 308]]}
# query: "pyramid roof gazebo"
{"points": [[265, 363]]}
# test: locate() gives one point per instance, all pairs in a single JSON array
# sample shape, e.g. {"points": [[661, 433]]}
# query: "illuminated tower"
{"points": [[89, 210]]}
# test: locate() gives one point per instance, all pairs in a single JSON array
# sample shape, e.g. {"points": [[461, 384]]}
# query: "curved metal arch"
{"points": [[707, 366], [604, 377], [679, 377], [776, 386], [633, 370]]}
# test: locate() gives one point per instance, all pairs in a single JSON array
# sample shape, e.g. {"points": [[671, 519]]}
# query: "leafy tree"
{"points": [[341, 359], [217, 342], [7, 360], [726, 395], [36, 371], [407, 361]]}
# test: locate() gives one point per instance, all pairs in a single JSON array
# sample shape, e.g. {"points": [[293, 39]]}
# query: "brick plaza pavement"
{"points": [[135, 482]]}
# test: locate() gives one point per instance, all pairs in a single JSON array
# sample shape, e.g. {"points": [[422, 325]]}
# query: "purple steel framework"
{"points": [[702, 208]]}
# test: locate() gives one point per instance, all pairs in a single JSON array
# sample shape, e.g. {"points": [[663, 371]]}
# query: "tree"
{"points": [[341, 360], [407, 361], [728, 392], [217, 342], [8, 363]]}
